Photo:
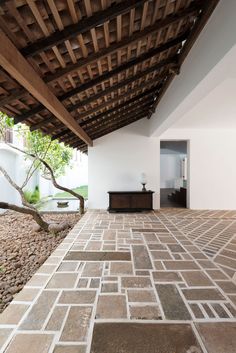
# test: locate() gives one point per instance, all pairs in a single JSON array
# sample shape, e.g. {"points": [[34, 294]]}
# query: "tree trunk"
{"points": [[47, 166], [36, 216]]}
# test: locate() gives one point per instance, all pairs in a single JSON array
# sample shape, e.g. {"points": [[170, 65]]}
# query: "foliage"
{"points": [[82, 190], [5, 123], [32, 197], [57, 155], [27, 195]]}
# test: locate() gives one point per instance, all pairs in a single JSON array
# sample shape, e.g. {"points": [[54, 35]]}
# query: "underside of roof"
{"points": [[80, 69]]}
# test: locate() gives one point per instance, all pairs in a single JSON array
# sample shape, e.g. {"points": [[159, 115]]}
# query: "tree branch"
{"points": [[47, 166], [36, 216], [15, 186]]}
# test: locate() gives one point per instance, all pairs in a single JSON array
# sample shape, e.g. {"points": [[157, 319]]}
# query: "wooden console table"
{"points": [[130, 201]]}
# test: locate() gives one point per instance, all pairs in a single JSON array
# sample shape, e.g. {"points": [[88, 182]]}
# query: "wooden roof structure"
{"points": [[80, 69]]}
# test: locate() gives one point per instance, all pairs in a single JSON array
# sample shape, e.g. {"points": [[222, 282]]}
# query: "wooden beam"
{"points": [[119, 126], [16, 65], [114, 125], [97, 108], [112, 112], [170, 61], [84, 25], [153, 91], [116, 113], [60, 134], [108, 75], [208, 8], [15, 94], [124, 115], [123, 43], [143, 95]]}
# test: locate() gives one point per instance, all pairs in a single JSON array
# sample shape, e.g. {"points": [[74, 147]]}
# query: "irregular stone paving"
{"points": [[129, 270]]}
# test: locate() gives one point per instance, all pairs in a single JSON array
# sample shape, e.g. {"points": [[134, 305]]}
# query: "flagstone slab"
{"points": [[196, 278], [136, 282], [39, 311], [146, 312], [218, 337], [172, 303], [140, 338], [141, 295], [111, 307], [203, 294], [70, 349], [4, 334], [33, 343], [76, 325], [166, 276], [62, 280], [181, 265], [77, 297], [92, 269], [13, 314], [121, 268], [56, 320], [98, 256], [141, 257]]}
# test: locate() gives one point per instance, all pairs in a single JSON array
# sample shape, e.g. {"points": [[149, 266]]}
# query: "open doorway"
{"points": [[173, 173]]}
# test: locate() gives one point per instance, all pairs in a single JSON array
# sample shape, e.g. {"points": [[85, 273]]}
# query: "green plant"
{"points": [[27, 195], [35, 197], [32, 196]]}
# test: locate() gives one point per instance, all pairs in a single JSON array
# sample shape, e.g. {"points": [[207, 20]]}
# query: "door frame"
{"points": [[188, 167]]}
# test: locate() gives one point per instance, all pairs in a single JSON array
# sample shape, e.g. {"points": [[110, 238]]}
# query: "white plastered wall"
{"points": [[117, 160], [212, 167]]}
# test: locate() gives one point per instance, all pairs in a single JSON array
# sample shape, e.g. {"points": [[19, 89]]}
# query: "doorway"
{"points": [[173, 173]]}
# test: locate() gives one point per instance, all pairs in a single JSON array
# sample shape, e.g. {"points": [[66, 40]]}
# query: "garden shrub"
{"points": [[32, 196]]}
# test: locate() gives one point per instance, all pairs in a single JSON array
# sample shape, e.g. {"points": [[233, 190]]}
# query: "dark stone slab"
{"points": [[141, 257], [98, 256], [172, 303], [203, 294], [152, 230], [175, 248], [140, 338], [218, 337]]}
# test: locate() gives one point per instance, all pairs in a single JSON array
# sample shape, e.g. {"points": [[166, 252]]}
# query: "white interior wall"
{"points": [[210, 61], [170, 169], [117, 160], [212, 167]]}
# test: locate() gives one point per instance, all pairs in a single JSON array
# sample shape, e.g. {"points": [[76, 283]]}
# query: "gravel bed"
{"points": [[23, 250]]}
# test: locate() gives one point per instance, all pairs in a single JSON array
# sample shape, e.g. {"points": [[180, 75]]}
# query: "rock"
{"points": [[36, 228], [54, 228], [7, 299], [14, 290], [24, 249], [41, 260]]}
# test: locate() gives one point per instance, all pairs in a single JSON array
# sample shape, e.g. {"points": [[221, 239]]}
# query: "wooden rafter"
{"points": [[151, 92], [123, 43], [83, 26], [170, 61], [16, 65], [101, 106], [98, 59]]}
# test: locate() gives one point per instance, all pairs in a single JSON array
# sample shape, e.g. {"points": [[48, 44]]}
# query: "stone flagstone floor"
{"points": [[160, 282]]}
